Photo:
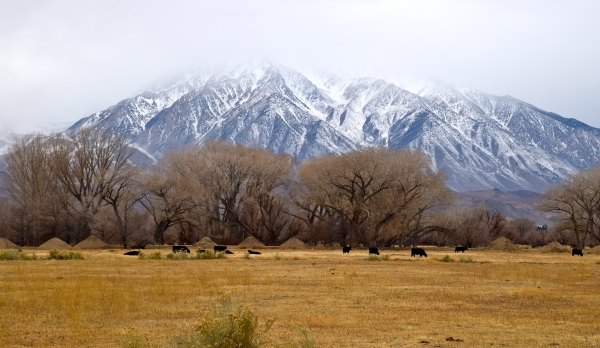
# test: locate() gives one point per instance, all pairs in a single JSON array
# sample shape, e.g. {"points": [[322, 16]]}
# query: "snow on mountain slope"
{"points": [[482, 141]]}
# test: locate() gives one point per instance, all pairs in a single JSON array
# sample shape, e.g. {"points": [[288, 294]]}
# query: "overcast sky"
{"points": [[63, 60]]}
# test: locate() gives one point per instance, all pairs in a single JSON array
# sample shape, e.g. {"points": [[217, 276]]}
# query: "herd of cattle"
{"points": [[346, 250]]}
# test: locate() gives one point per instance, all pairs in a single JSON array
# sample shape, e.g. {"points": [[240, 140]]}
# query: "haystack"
{"points": [[55, 243], [556, 247], [595, 250], [91, 242], [7, 244], [503, 244], [205, 243], [293, 243], [251, 242]]}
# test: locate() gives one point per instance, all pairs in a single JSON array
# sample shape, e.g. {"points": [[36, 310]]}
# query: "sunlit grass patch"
{"points": [[12, 255], [446, 258], [178, 256], [155, 256], [134, 339], [58, 255], [373, 257], [209, 255], [465, 259], [305, 341]]}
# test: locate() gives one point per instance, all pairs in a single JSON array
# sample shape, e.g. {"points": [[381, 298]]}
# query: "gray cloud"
{"points": [[62, 60]]}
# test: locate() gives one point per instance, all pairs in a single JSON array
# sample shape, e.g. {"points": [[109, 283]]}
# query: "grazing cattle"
{"points": [[373, 251], [220, 248], [228, 252], [253, 252], [417, 251], [576, 252], [180, 249], [461, 249], [346, 250], [132, 253]]}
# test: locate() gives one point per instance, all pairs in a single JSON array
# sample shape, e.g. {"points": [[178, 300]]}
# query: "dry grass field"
{"points": [[500, 299]]}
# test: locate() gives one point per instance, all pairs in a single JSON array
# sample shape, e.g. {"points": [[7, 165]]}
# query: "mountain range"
{"points": [[481, 141]]}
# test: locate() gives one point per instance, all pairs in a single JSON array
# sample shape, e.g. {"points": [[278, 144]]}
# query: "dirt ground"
{"points": [[490, 299]]}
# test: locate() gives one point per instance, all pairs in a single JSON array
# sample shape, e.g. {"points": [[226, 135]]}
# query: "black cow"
{"points": [[132, 253], [346, 250], [461, 249], [576, 252], [220, 248], [373, 251], [180, 249], [417, 251], [253, 252], [228, 252]]}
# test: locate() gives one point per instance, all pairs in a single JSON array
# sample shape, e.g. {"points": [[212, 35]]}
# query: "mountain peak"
{"points": [[482, 141]]}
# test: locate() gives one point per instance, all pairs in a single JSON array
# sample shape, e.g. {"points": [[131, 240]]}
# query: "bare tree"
{"points": [[242, 188], [91, 165], [576, 200], [32, 187], [374, 187], [167, 197]]}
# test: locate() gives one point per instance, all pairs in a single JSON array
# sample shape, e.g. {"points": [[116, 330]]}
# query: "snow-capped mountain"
{"points": [[481, 141]]}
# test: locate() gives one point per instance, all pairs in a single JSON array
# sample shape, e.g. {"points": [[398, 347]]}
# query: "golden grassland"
{"points": [[501, 299]]}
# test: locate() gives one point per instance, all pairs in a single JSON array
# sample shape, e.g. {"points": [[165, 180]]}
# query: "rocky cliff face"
{"points": [[482, 141]]}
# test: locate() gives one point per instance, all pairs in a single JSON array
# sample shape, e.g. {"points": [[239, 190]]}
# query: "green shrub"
{"points": [[141, 256], [178, 256], [10, 255], [465, 259], [228, 325], [247, 255], [373, 257], [57, 255], [446, 258], [155, 255], [209, 255], [277, 256]]}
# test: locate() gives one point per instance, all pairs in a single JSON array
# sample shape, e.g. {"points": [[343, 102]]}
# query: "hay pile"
{"points": [[205, 243], [55, 243], [251, 242], [503, 244], [293, 243], [7, 244], [555, 247], [595, 250], [91, 242]]}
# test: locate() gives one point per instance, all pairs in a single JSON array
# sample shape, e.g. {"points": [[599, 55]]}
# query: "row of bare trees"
{"points": [[72, 186], [60, 185]]}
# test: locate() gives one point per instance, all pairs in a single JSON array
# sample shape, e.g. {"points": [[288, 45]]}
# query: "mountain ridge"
{"points": [[482, 141]]}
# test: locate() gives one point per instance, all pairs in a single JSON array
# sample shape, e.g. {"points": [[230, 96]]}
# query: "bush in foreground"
{"points": [[228, 325], [57, 255], [11, 255]]}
